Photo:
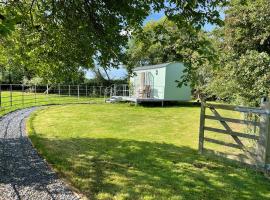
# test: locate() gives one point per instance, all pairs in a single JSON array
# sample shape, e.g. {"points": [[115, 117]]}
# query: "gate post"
{"points": [[263, 150], [201, 131]]}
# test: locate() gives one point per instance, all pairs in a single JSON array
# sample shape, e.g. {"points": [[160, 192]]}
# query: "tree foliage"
{"points": [[244, 45], [163, 41], [62, 37]]}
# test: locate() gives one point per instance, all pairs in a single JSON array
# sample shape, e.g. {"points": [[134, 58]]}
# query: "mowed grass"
{"points": [[18, 100], [118, 151]]}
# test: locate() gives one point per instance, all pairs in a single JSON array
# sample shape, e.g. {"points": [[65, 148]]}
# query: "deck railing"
{"points": [[117, 90], [134, 91]]}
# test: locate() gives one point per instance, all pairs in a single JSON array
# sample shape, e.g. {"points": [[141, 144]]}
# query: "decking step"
{"points": [[113, 99]]}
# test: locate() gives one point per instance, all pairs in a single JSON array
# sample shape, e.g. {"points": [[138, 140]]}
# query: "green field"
{"points": [[18, 100], [119, 151]]}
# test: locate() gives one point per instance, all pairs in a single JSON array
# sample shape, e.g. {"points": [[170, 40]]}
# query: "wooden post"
{"points": [[35, 93], [47, 92], [78, 91], [104, 94], [201, 130], [22, 94], [99, 91], [263, 149], [0, 95], [69, 90], [111, 91], [10, 90], [86, 90]]}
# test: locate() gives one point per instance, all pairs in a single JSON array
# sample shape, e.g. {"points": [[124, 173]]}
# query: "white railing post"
{"points": [[69, 90]]}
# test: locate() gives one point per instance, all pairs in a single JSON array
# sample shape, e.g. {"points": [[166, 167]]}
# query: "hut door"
{"points": [[142, 80]]}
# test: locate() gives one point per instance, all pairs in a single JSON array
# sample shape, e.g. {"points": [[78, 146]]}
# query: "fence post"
{"points": [[47, 98], [59, 93], [69, 90], [78, 91], [111, 92], [47, 89], [201, 131], [104, 94], [10, 91], [86, 90], [35, 93], [23, 94], [263, 150], [0, 95]]}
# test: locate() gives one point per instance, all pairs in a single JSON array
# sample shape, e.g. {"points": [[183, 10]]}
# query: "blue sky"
{"points": [[121, 72]]}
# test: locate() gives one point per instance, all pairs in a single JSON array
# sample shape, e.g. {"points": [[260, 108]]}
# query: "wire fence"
{"points": [[15, 96]]}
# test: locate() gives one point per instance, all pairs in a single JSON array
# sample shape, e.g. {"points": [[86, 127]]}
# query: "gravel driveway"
{"points": [[23, 174]]}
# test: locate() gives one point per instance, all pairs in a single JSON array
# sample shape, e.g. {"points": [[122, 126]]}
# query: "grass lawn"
{"points": [[118, 151], [20, 100]]}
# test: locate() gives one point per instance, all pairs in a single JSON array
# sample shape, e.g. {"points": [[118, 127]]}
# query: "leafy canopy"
{"points": [[163, 41], [244, 45], [71, 35]]}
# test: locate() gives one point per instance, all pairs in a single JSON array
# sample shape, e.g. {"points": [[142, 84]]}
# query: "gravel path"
{"points": [[23, 174]]}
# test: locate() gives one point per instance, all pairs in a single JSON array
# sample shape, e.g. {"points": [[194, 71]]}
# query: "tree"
{"points": [[244, 72], [74, 34], [163, 41]]}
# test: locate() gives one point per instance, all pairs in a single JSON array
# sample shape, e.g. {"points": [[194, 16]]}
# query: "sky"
{"points": [[121, 72]]}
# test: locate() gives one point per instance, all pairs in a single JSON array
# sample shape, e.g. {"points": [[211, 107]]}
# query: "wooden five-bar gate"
{"points": [[259, 154]]}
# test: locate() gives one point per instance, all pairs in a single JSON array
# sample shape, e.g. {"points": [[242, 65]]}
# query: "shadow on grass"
{"points": [[170, 104], [127, 169]]}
